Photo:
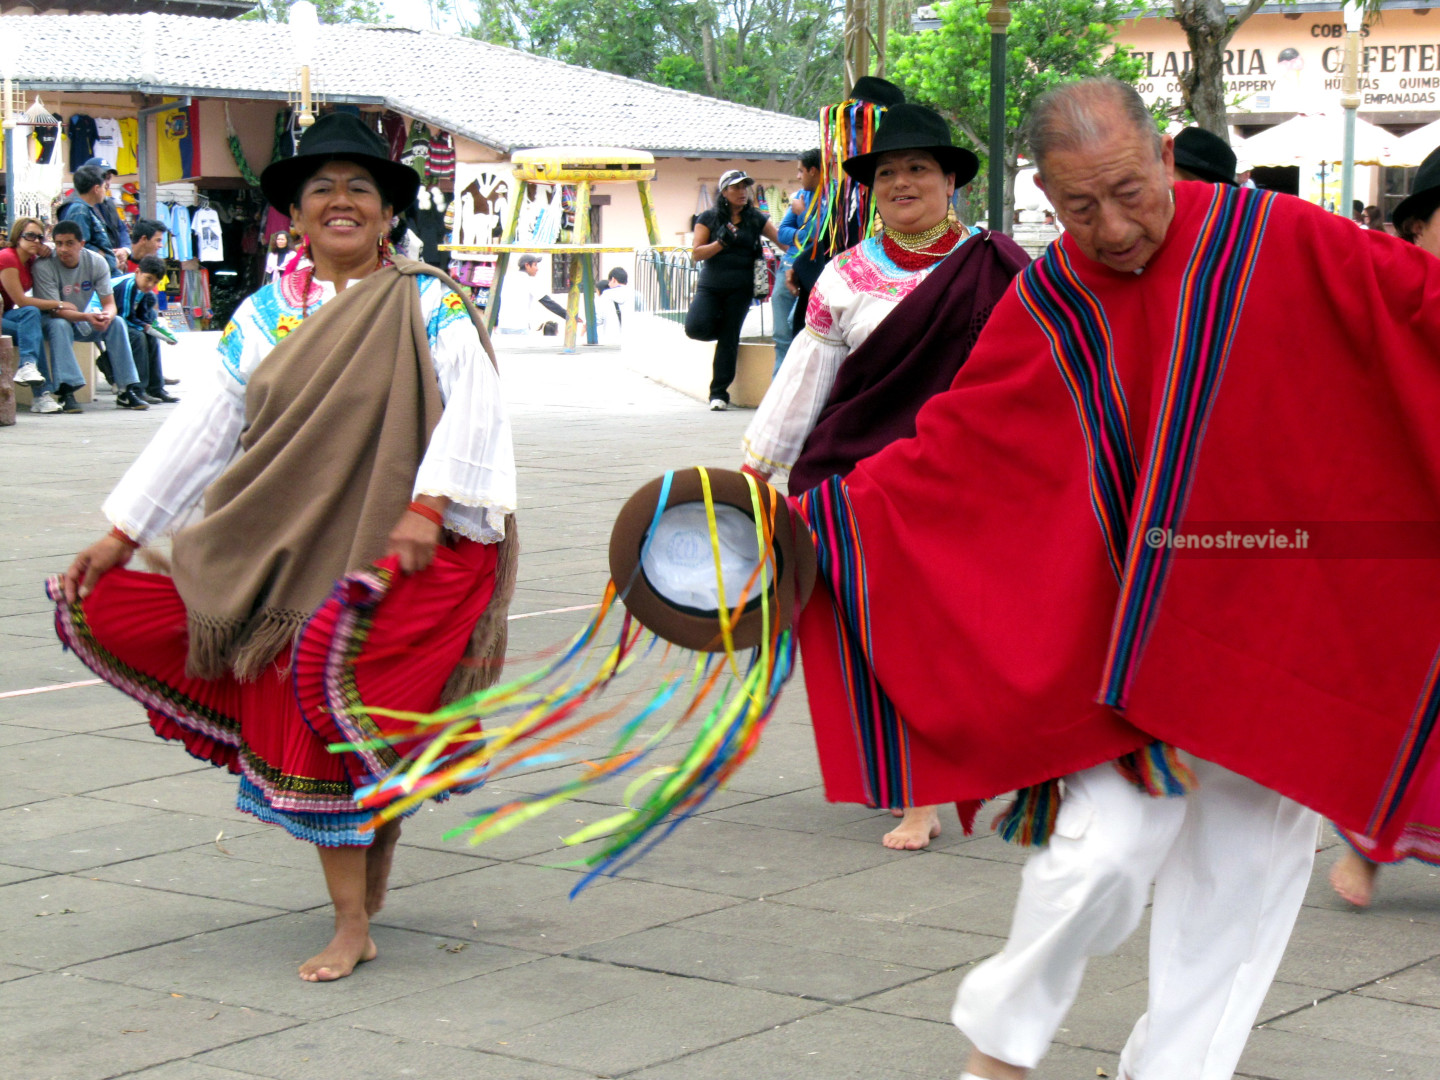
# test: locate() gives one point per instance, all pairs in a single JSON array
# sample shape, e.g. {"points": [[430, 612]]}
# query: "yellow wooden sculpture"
{"points": [[581, 166]]}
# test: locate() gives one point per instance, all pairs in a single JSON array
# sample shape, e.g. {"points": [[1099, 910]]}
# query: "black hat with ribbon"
{"points": [[691, 543], [339, 137], [877, 91], [914, 127], [1424, 194], [1204, 154]]}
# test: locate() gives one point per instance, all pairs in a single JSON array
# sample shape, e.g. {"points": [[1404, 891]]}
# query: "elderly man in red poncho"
{"points": [[1164, 559]]}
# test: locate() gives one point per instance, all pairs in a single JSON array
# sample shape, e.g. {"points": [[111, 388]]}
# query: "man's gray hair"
{"points": [[1080, 114]]}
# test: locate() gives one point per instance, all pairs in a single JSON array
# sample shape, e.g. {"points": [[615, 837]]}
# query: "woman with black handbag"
{"points": [[727, 243]]}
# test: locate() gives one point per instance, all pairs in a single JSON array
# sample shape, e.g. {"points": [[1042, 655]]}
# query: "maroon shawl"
{"points": [[882, 385]]}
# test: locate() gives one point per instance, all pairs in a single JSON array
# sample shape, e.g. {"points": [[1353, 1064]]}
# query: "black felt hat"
{"points": [[1424, 194], [914, 127], [663, 558], [877, 91], [1204, 154], [339, 137]]}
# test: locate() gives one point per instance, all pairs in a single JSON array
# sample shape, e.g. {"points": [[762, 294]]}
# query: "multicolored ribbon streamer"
{"points": [[727, 699]]}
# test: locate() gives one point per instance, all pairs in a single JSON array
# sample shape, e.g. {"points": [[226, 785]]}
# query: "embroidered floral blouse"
{"points": [[470, 459], [855, 293]]}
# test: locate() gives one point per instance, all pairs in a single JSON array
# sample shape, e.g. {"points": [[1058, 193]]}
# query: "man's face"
{"points": [[808, 179], [1114, 196], [531, 268], [68, 248], [147, 245]]}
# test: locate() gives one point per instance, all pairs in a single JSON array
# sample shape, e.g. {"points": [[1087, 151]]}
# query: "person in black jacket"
{"points": [[727, 243]]}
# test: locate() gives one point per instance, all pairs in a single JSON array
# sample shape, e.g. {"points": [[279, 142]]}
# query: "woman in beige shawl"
{"points": [[355, 435]]}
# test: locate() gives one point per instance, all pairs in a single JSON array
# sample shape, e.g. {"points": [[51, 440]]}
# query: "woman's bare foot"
{"points": [[917, 828], [379, 857], [1353, 877], [351, 945]]}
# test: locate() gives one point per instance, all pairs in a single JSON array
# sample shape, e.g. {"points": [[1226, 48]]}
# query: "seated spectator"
{"points": [[147, 237], [74, 275], [520, 293], [22, 312], [110, 210], [619, 292], [83, 209], [135, 300]]}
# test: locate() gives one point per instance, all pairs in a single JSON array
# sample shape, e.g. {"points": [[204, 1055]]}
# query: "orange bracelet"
{"points": [[124, 539], [427, 512]]}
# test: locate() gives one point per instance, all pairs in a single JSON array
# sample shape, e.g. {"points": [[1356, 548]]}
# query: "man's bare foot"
{"points": [[1353, 877], [379, 857], [917, 828], [349, 946], [985, 1067]]}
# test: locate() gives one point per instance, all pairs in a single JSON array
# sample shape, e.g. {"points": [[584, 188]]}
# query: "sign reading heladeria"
{"points": [[1292, 63]]}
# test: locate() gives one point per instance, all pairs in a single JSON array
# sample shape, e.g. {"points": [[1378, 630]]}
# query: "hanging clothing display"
{"points": [[417, 148], [206, 227], [81, 133], [108, 140], [37, 179], [393, 131], [178, 143], [126, 163], [42, 144], [179, 243], [442, 157]]}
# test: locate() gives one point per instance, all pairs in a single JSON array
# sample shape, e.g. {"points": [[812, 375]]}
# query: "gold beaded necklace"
{"points": [[918, 242]]}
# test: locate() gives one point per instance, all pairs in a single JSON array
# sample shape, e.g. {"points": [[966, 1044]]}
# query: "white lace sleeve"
{"points": [[471, 456], [186, 456], [798, 392]]}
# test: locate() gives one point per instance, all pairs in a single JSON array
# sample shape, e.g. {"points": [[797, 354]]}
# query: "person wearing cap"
{"points": [[1202, 155], [1148, 564], [845, 390], [726, 244], [1416, 220], [355, 433], [110, 210], [84, 208]]}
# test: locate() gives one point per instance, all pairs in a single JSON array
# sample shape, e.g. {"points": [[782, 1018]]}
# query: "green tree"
{"points": [[1051, 42], [330, 11], [1209, 25], [784, 55]]}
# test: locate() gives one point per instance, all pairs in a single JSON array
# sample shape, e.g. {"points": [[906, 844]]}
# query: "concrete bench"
{"points": [[658, 349], [86, 353]]}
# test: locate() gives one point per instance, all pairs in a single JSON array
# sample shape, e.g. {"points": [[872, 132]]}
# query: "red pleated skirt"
{"points": [[382, 639]]}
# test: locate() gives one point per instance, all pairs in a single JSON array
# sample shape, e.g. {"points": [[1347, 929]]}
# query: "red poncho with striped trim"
{"points": [[1005, 614]]}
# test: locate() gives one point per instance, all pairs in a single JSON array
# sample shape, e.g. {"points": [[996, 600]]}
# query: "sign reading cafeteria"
{"points": [[1291, 62]]}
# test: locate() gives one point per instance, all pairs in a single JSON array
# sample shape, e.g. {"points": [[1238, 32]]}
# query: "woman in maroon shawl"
{"points": [[844, 390]]}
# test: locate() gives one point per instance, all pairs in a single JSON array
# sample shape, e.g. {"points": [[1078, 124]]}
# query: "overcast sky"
{"points": [[409, 12]]}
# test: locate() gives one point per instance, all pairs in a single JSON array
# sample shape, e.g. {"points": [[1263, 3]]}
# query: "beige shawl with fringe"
{"points": [[337, 420]]}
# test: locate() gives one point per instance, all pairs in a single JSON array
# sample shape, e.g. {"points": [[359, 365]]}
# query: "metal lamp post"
{"points": [[1350, 101], [998, 16]]}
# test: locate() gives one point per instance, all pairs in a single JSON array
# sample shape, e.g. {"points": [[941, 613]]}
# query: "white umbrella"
{"points": [[1412, 149], [1317, 137]]}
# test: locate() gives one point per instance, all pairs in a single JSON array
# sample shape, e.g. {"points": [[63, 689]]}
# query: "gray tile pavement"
{"points": [[150, 930]]}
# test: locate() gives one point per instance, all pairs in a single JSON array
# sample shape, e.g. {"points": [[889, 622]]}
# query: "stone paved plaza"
{"points": [[149, 930]]}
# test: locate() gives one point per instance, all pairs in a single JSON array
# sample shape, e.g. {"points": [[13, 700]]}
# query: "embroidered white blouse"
{"points": [[855, 293], [470, 459]]}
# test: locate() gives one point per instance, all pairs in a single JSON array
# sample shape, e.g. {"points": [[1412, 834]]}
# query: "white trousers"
{"points": [[1230, 863]]}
